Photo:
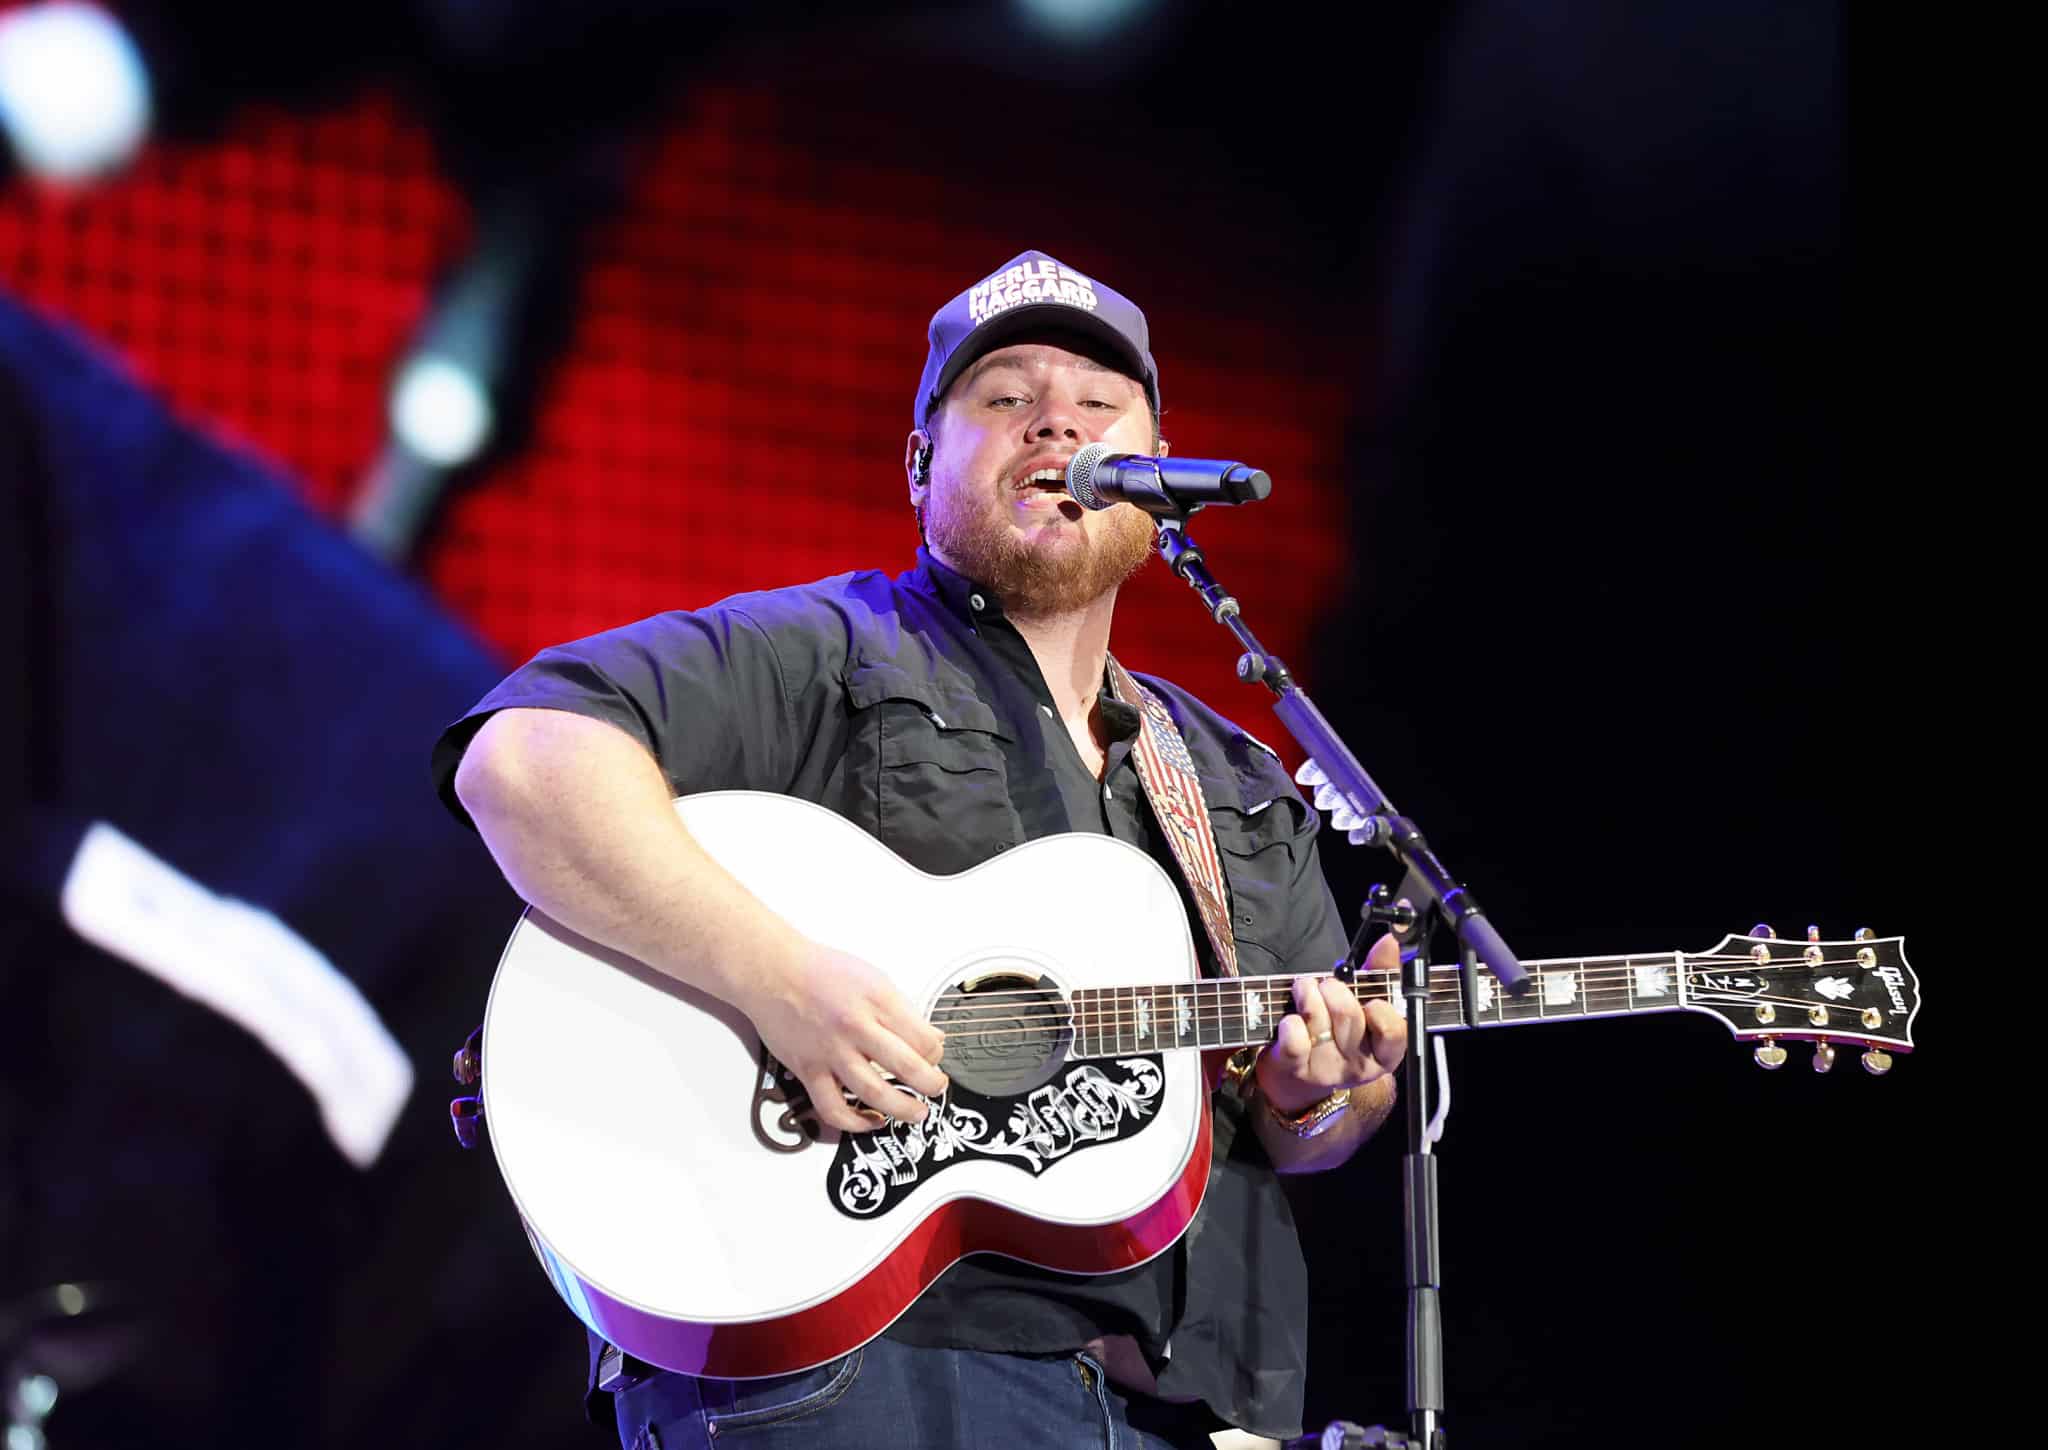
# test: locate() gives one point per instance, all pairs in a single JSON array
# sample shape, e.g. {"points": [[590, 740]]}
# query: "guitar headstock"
{"points": [[1769, 989]]}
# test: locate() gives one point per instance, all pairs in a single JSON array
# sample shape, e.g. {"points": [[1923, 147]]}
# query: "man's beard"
{"points": [[1041, 582]]}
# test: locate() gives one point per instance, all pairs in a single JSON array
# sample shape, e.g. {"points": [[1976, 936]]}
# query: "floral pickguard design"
{"points": [[1090, 1103]]}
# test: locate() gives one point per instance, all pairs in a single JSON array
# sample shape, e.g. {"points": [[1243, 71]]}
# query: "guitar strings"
{"points": [[1582, 967], [1219, 1005], [1229, 1020], [1102, 1017], [1107, 1013], [1238, 1035], [1222, 999], [1109, 1022]]}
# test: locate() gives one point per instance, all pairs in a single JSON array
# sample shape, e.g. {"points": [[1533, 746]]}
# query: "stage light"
{"points": [[74, 94], [464, 384], [1082, 19], [441, 411]]}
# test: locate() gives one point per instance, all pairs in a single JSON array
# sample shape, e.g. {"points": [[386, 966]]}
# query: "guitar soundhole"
{"points": [[1006, 1032]]}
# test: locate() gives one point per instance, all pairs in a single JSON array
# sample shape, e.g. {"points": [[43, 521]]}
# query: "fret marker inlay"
{"points": [[1254, 1011], [1560, 988], [1144, 1018], [1183, 1014], [1653, 981]]}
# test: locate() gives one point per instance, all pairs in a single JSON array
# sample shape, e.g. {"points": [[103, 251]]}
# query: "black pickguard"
{"points": [[1086, 1103]]}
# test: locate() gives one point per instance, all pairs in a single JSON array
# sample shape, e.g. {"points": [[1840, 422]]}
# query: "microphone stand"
{"points": [[1428, 894]]}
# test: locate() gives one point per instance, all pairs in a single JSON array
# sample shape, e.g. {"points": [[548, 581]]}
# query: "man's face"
{"points": [[996, 505]]}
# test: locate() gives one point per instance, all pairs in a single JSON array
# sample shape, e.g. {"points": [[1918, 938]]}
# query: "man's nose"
{"points": [[1055, 418]]}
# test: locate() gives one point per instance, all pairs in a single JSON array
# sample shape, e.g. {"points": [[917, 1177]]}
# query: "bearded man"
{"points": [[954, 711]]}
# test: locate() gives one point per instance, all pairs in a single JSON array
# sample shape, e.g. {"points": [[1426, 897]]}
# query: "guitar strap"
{"points": [[1167, 772]]}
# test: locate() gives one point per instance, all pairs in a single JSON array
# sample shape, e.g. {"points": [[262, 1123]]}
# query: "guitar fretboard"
{"points": [[1241, 1011]]}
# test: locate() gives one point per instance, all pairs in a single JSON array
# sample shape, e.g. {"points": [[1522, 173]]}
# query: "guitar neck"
{"points": [[1245, 1011]]}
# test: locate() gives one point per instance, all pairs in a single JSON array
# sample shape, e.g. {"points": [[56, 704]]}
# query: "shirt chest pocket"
{"points": [[1256, 844], [930, 760]]}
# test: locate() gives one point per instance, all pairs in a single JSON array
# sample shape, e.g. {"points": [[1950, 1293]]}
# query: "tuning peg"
{"points": [[1762, 929], [1864, 933], [1761, 953], [1877, 1062], [1769, 1056], [1812, 932], [1823, 1056], [465, 1115], [469, 1059]]}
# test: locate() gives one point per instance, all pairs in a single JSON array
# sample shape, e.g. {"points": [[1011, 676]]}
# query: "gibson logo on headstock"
{"points": [[1895, 983]]}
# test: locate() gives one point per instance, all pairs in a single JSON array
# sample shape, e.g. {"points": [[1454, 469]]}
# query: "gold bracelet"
{"points": [[1313, 1119]]}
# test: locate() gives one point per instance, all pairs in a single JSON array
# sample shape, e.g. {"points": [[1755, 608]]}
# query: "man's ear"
{"points": [[917, 464], [1161, 447]]}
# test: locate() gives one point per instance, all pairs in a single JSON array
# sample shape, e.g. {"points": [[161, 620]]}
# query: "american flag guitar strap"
{"points": [[1168, 775]]}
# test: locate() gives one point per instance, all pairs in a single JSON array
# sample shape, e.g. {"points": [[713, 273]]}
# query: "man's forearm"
{"points": [[579, 818], [1368, 1108]]}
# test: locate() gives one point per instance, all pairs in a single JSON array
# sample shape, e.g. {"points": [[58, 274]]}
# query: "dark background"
{"points": [[1538, 316]]}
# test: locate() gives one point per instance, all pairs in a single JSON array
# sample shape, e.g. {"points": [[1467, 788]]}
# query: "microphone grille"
{"points": [[1081, 476]]}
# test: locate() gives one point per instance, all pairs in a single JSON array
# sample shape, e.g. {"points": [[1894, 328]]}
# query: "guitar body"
{"points": [[681, 1209]]}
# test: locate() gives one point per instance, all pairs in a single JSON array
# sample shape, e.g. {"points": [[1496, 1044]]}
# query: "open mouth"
{"points": [[1050, 482]]}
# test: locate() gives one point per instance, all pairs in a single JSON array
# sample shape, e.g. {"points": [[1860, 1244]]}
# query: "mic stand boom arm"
{"points": [[1412, 922], [1383, 826]]}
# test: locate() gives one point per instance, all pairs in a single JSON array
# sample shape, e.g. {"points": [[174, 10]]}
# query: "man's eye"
{"points": [[1006, 400]]}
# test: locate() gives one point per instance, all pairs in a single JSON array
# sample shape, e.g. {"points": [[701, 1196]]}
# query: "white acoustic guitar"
{"points": [[687, 1207]]}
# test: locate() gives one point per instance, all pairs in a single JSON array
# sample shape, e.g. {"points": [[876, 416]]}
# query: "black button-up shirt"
{"points": [[914, 708]]}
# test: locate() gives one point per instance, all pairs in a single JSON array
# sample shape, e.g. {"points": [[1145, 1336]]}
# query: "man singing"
{"points": [[953, 711]]}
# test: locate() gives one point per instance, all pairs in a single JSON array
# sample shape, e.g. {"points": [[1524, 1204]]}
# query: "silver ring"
{"points": [[1322, 1037]]}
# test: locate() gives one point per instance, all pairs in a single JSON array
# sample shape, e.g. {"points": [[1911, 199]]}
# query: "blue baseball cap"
{"points": [[1032, 293]]}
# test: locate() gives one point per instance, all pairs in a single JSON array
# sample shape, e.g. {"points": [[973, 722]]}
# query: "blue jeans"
{"points": [[890, 1396]]}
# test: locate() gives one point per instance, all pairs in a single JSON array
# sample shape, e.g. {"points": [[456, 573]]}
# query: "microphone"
{"points": [[1097, 478]]}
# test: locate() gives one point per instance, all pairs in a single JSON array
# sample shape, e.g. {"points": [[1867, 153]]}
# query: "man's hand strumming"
{"points": [[836, 1022]]}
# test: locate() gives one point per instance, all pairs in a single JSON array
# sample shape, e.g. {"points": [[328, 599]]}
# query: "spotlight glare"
{"points": [[38, 1395], [1082, 19], [74, 94], [440, 411]]}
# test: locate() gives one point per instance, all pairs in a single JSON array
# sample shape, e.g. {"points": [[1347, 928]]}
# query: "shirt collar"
{"points": [[974, 603]]}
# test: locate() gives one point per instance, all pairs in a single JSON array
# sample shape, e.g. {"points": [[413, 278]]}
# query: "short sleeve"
{"points": [[706, 693]]}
